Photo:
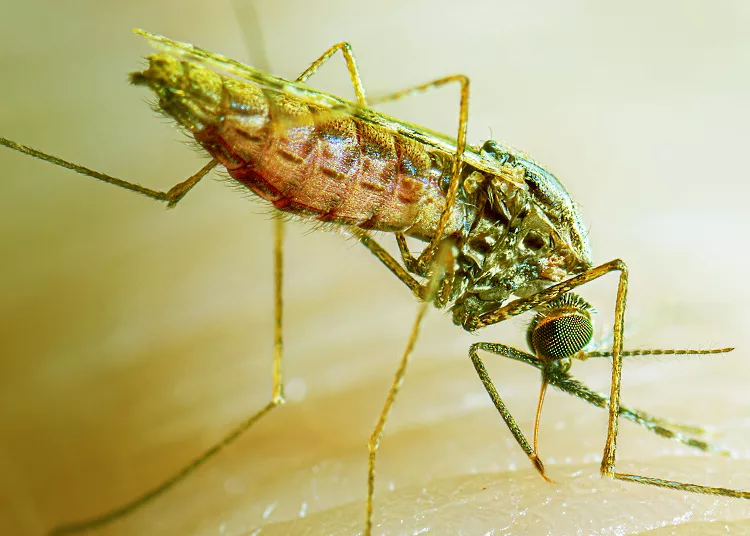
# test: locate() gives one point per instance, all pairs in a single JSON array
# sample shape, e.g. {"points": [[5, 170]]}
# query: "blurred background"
{"points": [[132, 338]]}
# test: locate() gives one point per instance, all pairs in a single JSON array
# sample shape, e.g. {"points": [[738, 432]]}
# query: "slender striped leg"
{"points": [[608, 458], [502, 409], [410, 262], [444, 258], [657, 422], [277, 398], [387, 259], [172, 196], [561, 379]]}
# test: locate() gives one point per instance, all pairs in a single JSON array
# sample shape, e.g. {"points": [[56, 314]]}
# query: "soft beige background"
{"points": [[131, 338]]}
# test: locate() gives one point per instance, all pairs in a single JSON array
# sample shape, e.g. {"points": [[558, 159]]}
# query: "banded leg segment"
{"points": [[410, 262], [351, 66], [387, 259], [502, 409], [444, 257], [277, 398], [683, 486], [172, 196], [563, 380]]}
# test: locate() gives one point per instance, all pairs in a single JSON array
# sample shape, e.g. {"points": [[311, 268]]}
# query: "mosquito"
{"points": [[502, 234]]}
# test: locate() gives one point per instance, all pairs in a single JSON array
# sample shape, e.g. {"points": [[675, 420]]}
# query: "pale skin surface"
{"points": [[134, 337]]}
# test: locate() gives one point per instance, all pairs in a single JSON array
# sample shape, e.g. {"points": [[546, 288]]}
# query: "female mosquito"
{"points": [[502, 234]]}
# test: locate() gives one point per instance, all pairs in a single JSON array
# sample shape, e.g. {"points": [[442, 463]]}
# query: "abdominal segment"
{"points": [[306, 159]]}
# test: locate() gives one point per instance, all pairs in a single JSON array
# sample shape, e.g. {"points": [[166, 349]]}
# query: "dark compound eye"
{"points": [[556, 338], [561, 329]]}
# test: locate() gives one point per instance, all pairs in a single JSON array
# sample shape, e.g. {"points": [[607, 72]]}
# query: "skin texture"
{"points": [[133, 338]]}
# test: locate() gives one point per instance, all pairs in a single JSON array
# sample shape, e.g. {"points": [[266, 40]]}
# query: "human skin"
{"points": [[134, 337]]}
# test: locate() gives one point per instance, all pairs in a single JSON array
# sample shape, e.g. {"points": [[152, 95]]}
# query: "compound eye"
{"points": [[561, 336]]}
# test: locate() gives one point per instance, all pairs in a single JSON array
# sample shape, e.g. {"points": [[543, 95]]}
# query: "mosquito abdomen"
{"points": [[306, 159]]}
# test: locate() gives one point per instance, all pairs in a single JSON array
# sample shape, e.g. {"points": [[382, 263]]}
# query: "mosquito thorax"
{"points": [[561, 328], [526, 234]]}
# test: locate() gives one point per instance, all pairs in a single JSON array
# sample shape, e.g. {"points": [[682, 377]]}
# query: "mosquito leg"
{"points": [[387, 259], [503, 410], [444, 258], [425, 258], [668, 423], [172, 196], [410, 262], [657, 426], [351, 66], [659, 351], [441, 297], [565, 382], [671, 484], [277, 398], [683, 486]]}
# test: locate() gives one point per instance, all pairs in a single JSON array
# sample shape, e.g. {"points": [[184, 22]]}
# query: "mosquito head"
{"points": [[561, 328]]}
